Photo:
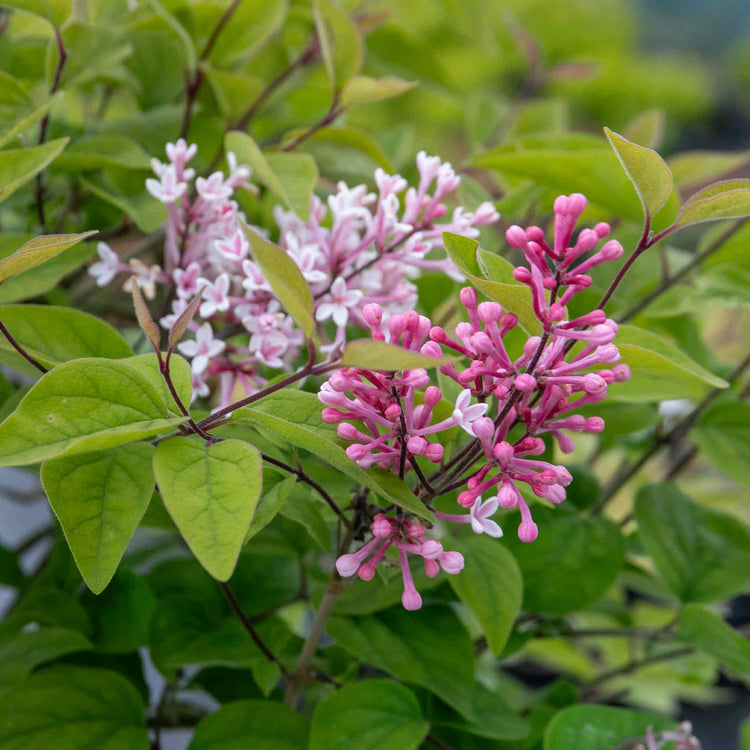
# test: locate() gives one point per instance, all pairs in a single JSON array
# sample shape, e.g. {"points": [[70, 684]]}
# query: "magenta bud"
{"points": [[332, 416], [525, 382], [366, 571], [416, 445], [434, 452], [556, 313], [381, 527], [549, 283], [432, 395], [411, 600], [611, 250], [373, 314], [531, 346], [347, 431], [593, 383], [483, 428], [535, 234], [468, 297], [396, 325], [466, 499], [506, 495], [602, 229], [438, 334], [347, 565], [561, 204], [528, 531], [621, 373], [415, 528], [516, 237], [522, 275], [489, 312], [356, 451], [577, 203], [504, 452], [431, 568], [452, 562], [594, 424], [555, 494], [431, 349], [393, 412], [431, 550]]}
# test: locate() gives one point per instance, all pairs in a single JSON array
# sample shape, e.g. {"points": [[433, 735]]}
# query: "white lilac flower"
{"points": [[202, 348]]}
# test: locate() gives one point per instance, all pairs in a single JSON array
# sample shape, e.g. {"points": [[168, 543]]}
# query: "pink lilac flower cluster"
{"points": [[371, 250], [682, 737], [407, 537], [518, 397]]}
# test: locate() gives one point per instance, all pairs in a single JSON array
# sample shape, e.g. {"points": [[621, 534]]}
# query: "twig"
{"points": [[62, 56], [9, 336], [302, 476], [334, 112], [245, 620], [166, 374]]}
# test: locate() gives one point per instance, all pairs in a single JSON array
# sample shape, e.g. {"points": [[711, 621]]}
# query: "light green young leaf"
{"points": [[54, 11], [147, 213], [269, 505], [699, 167], [703, 555], [80, 406], [290, 177], [21, 653], [706, 631], [19, 165], [379, 355], [364, 89], [53, 335], [491, 585], [92, 52], [29, 118], [101, 151], [723, 435], [371, 715], [647, 128], [659, 369], [40, 279], [600, 727], [211, 492], [305, 511], [647, 171], [74, 707], [589, 551], [37, 251], [285, 278], [179, 370], [729, 199], [295, 417], [262, 725], [100, 499], [340, 41]]}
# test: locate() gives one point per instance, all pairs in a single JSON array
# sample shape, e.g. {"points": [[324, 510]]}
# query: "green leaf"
{"points": [[340, 42], [295, 417], [93, 50], [600, 727], [371, 715], [100, 499], [37, 251], [21, 653], [379, 355], [290, 177], [699, 167], [646, 169], [54, 11], [493, 276], [729, 199], [53, 335], [269, 505], [723, 435], [429, 648], [491, 585], [589, 551], [211, 492], [191, 56], [364, 89], [595, 172], [179, 371], [703, 555], [285, 278], [101, 151], [31, 115], [647, 128], [80, 406], [262, 725], [349, 140], [706, 631], [42, 278], [147, 213], [19, 165], [74, 707], [659, 369]]}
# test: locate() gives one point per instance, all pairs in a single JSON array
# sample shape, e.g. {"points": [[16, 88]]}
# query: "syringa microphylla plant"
{"points": [[329, 443], [538, 391]]}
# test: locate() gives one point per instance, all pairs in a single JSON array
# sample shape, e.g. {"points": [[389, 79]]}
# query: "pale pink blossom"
{"points": [[338, 303], [107, 267], [202, 348]]}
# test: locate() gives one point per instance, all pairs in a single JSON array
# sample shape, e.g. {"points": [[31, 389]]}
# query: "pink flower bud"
{"points": [[503, 452], [434, 453], [535, 234], [577, 204], [593, 383], [381, 527], [490, 312], [466, 499], [347, 565], [560, 205], [602, 229], [431, 349], [411, 600], [594, 424], [438, 334], [528, 531], [483, 428], [516, 237], [431, 568], [611, 250], [506, 495], [432, 396], [414, 528], [366, 571], [468, 297], [555, 494], [452, 562], [525, 383], [373, 314], [431, 550], [347, 431], [393, 412], [332, 416], [356, 451], [416, 445], [522, 275], [621, 373]]}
